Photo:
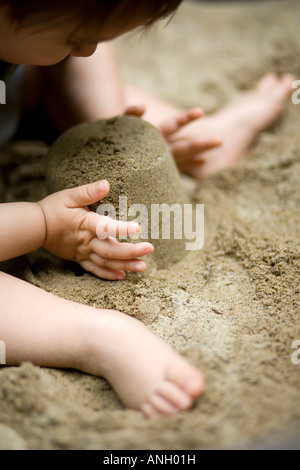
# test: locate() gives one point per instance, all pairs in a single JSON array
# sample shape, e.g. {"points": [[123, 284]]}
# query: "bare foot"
{"points": [[146, 374], [238, 125]]}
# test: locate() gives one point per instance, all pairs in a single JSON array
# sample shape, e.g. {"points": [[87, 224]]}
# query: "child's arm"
{"points": [[91, 88], [88, 88], [22, 229], [63, 225]]}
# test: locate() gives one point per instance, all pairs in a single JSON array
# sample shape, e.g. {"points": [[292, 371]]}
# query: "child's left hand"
{"points": [[185, 147]]}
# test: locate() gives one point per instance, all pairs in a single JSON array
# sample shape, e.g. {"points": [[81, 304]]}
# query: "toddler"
{"points": [[66, 76]]}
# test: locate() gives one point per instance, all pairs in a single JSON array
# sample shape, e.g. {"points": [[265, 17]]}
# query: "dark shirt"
{"points": [[6, 70]]}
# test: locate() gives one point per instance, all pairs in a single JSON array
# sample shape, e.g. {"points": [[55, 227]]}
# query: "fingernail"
{"points": [[102, 185], [139, 266]]}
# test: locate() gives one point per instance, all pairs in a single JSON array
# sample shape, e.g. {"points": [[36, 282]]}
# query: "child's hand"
{"points": [[185, 146], [71, 233], [137, 111]]}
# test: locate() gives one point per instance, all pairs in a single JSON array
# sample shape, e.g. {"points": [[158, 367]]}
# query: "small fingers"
{"points": [[171, 126], [87, 194], [185, 149], [102, 272], [108, 227], [112, 249], [135, 111], [135, 265]]}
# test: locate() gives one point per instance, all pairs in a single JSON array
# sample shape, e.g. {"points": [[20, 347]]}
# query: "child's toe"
{"points": [[175, 395], [162, 405], [188, 378], [267, 81], [149, 410]]}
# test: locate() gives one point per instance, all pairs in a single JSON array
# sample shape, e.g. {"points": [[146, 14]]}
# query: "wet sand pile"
{"points": [[233, 307], [133, 156]]}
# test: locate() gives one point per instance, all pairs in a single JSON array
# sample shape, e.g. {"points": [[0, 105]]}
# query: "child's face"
{"points": [[44, 47], [36, 46]]}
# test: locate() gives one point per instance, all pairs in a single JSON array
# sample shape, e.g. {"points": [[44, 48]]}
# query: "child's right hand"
{"points": [[71, 233]]}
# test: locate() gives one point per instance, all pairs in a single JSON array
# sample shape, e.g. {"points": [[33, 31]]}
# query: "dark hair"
{"points": [[93, 12]]}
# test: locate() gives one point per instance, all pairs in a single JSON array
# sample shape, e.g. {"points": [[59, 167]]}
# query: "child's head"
{"points": [[44, 33]]}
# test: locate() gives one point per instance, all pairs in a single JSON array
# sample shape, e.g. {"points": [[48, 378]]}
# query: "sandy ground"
{"points": [[232, 309]]}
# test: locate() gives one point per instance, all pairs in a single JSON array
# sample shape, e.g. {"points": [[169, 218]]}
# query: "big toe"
{"points": [[287, 84], [268, 81], [188, 378], [176, 392]]}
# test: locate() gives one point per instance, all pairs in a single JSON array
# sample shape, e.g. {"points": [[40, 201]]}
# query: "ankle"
{"points": [[99, 335]]}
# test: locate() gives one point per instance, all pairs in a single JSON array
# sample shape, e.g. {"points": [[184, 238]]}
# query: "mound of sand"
{"points": [[232, 309], [133, 156]]}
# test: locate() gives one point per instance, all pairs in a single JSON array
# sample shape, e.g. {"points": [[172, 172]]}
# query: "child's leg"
{"points": [[237, 125], [49, 331], [100, 93], [80, 89]]}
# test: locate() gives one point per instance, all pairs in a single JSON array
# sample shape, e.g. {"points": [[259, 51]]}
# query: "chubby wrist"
{"points": [[43, 217], [23, 229]]}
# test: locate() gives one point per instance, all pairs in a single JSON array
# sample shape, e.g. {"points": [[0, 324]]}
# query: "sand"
{"points": [[133, 156], [232, 308]]}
